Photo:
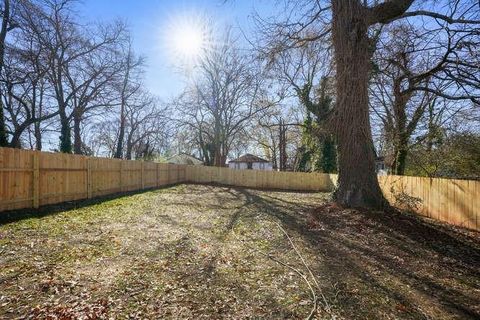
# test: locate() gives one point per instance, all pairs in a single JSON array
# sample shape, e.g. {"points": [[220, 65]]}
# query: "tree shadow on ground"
{"points": [[11, 216], [384, 263], [206, 290]]}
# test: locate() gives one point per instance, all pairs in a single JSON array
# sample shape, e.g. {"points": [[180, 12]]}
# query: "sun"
{"points": [[188, 39]]}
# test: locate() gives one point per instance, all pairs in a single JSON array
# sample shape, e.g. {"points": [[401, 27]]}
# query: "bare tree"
{"points": [[128, 85], [25, 91], [24, 87], [411, 74], [146, 127], [224, 96], [61, 75], [6, 26], [306, 71], [80, 63]]}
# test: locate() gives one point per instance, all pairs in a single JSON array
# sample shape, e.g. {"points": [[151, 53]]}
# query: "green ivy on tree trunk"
{"points": [[3, 129]]}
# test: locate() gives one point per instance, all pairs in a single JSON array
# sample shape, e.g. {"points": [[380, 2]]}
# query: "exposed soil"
{"points": [[209, 252]]}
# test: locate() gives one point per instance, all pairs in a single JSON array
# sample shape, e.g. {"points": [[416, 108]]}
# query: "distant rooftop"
{"points": [[183, 158], [249, 158]]}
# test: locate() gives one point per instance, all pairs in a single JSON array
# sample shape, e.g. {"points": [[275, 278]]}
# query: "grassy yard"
{"points": [[193, 252]]}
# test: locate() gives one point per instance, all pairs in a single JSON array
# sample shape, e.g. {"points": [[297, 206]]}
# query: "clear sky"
{"points": [[150, 20]]}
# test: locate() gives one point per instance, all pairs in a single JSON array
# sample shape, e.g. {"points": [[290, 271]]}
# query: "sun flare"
{"points": [[188, 41], [188, 38]]}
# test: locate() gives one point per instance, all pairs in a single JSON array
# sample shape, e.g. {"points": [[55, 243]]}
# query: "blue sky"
{"points": [[148, 20]]}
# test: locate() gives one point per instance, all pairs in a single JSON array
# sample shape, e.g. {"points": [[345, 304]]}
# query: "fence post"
{"points": [[143, 175], [89, 178], [36, 180]]}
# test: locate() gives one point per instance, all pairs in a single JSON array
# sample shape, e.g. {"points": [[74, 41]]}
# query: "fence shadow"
{"points": [[12, 216]]}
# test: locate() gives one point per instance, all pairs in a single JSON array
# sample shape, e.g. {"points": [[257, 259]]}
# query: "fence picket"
{"points": [[29, 179]]}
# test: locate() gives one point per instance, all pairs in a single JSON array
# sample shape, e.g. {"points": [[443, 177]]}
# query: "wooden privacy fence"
{"points": [[450, 200], [29, 179], [454, 201], [300, 181]]}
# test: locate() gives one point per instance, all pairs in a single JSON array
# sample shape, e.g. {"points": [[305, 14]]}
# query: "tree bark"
{"points": [[77, 137], [329, 155], [38, 136], [3, 36], [357, 180], [121, 133], [15, 141], [217, 143], [401, 161], [65, 133], [37, 125], [128, 154], [3, 128], [282, 146]]}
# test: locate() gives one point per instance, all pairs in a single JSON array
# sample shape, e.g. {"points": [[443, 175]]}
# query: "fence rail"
{"points": [[450, 200], [300, 181], [29, 179], [454, 201]]}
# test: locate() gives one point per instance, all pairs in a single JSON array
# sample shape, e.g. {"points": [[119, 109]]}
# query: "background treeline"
{"points": [[78, 83], [78, 88]]}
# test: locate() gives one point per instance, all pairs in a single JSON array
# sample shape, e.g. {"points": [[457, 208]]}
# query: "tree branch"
{"points": [[435, 15], [388, 11]]}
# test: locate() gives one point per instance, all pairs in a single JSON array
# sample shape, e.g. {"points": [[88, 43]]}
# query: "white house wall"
{"points": [[255, 166], [262, 166], [237, 165]]}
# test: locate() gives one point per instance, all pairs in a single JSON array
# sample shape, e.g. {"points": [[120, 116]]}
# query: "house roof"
{"points": [[183, 158], [249, 158]]}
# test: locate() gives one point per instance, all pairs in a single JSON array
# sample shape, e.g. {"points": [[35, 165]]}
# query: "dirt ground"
{"points": [[209, 252]]}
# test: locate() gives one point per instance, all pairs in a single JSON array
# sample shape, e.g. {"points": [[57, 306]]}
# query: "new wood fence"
{"points": [[454, 201], [300, 181], [29, 179]]}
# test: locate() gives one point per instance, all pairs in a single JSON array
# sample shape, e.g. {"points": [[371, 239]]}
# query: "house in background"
{"points": [[249, 161], [183, 158], [381, 166]]}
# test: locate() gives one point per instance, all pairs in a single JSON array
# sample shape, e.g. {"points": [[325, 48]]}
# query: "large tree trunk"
{"points": [[357, 180], [401, 160], [217, 143], [38, 136], [3, 128], [17, 134], [65, 133], [329, 154], [217, 157], [121, 133], [77, 136], [282, 146], [37, 127], [3, 35], [128, 154], [400, 152], [401, 141]]}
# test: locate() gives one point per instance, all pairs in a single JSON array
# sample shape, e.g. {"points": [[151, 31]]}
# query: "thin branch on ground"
{"points": [[326, 306]]}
